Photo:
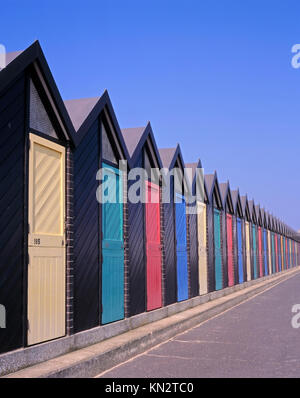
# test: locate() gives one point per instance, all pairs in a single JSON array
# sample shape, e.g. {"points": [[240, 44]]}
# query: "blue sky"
{"points": [[214, 76]]}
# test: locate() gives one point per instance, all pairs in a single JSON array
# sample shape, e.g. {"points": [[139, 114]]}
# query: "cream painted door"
{"points": [[46, 241], [202, 254], [248, 251]]}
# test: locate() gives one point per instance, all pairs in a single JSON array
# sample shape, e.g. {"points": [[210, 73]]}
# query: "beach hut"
{"points": [[254, 239], [198, 231], [227, 234], [99, 214], [35, 150], [214, 208], [238, 237], [176, 228], [145, 249], [260, 240], [265, 241], [247, 236]]}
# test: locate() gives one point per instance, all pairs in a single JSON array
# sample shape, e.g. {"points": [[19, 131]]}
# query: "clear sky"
{"points": [[214, 76]]}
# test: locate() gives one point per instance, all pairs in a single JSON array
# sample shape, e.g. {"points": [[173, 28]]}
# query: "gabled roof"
{"points": [[236, 200], [85, 111], [194, 167], [226, 196], [252, 210], [18, 62], [258, 214], [135, 138], [212, 185], [169, 156], [245, 206], [79, 109]]}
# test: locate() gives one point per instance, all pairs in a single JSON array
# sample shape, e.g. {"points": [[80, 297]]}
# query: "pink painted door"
{"points": [[229, 250], [153, 247]]}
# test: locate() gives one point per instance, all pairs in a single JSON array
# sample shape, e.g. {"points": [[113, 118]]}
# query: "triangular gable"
{"points": [[252, 211], [226, 197], [172, 158], [213, 190], [258, 215], [39, 119], [139, 138], [33, 60], [245, 207], [237, 205], [194, 175], [84, 112]]}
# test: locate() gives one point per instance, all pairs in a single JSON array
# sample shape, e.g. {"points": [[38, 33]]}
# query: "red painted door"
{"points": [[229, 251], [260, 252], [153, 247]]}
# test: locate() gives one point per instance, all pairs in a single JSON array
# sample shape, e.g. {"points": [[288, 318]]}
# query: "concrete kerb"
{"points": [[165, 324]]}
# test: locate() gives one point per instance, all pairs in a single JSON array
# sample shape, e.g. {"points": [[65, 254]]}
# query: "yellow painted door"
{"points": [[248, 251], [269, 252], [46, 241], [202, 254]]}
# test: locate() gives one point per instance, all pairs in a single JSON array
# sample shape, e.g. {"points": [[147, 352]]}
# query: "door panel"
{"points": [[260, 252], [229, 250], [153, 247], [248, 257], [181, 248], [254, 252], [240, 250], [112, 246], [279, 252], [218, 257], [46, 241], [202, 247]]}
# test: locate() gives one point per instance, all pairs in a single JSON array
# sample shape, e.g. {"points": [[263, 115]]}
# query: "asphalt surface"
{"points": [[253, 339]]}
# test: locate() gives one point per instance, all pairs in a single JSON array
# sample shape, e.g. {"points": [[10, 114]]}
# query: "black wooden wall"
{"points": [[170, 250], [86, 232], [136, 253], [12, 150]]}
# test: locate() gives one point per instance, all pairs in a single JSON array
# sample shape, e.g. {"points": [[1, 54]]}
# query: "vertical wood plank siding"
{"points": [[12, 150], [86, 236]]}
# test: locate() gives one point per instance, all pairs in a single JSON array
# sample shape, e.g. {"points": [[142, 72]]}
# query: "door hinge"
{"points": [[28, 258], [28, 325], [28, 228]]}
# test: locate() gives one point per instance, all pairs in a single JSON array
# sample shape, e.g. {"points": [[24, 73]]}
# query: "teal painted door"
{"points": [[112, 246], [218, 258], [181, 248], [254, 252]]}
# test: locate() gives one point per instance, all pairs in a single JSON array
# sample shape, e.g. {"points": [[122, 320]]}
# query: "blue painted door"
{"points": [[265, 252], [112, 246], [254, 251], [240, 250], [218, 258], [181, 248]]}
